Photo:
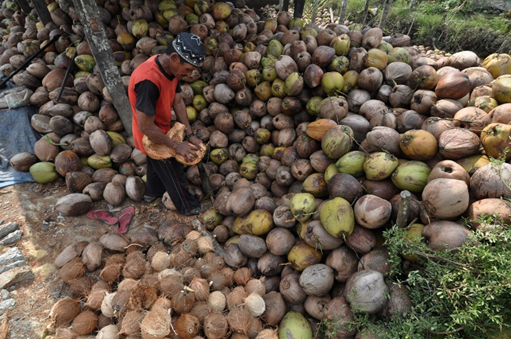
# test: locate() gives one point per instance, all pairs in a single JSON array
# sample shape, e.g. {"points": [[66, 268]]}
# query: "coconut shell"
{"points": [[135, 188], [64, 311], [215, 326], [134, 268], [114, 242], [77, 181], [84, 323], [22, 161], [71, 251], [131, 322], [111, 273], [142, 297], [95, 299], [101, 142], [156, 324], [74, 204], [239, 319], [187, 326], [72, 270], [114, 193], [121, 153], [95, 190], [92, 255]]}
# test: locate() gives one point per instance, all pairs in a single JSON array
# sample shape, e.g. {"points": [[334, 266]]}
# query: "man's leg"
{"points": [[172, 175], [154, 186]]}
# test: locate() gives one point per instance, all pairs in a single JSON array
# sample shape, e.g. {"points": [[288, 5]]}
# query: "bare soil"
{"points": [[46, 234]]}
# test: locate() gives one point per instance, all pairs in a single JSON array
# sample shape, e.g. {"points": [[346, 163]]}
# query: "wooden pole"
{"points": [[404, 209], [299, 5], [343, 11], [103, 54], [285, 7], [25, 7], [42, 11], [386, 10]]}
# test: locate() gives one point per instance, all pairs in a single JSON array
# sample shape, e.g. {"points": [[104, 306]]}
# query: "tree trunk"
{"points": [[412, 3], [343, 11], [386, 10], [366, 12]]}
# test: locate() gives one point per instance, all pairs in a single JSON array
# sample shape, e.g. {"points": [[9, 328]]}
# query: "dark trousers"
{"points": [[169, 175]]}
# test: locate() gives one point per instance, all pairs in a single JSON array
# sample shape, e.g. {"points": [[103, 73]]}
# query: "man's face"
{"points": [[180, 68]]}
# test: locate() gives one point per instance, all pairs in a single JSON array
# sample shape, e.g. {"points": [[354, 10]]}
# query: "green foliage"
{"points": [[455, 294]]}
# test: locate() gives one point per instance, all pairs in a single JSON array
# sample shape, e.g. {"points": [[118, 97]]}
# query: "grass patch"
{"points": [[455, 25]]}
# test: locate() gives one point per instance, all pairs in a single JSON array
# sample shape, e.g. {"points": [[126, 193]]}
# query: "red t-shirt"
{"points": [[152, 91]]}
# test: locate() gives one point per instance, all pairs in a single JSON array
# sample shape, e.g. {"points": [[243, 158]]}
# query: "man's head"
{"points": [[186, 53]]}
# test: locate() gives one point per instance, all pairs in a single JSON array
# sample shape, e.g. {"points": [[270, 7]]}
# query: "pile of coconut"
{"points": [[173, 288]]}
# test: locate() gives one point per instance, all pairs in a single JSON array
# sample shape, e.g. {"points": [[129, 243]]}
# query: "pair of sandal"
{"points": [[123, 221]]}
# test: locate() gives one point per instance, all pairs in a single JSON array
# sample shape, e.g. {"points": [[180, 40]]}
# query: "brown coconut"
{"points": [[72, 270], [64, 311]]}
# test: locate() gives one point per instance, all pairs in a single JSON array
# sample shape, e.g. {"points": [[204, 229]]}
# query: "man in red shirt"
{"points": [[153, 91]]}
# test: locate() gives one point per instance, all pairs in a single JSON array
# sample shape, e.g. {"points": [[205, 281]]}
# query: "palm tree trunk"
{"points": [[366, 12], [343, 11], [386, 10]]}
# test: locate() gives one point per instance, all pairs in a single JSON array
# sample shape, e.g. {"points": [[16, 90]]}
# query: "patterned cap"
{"points": [[190, 48]]}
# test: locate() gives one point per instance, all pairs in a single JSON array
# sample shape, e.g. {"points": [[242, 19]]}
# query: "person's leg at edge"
{"points": [[172, 175]]}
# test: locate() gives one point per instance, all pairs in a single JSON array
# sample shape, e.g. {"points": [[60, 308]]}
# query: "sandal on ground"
{"points": [[102, 215], [125, 219]]}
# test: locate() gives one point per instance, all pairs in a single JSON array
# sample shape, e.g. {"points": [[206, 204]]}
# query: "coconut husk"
{"points": [[101, 285], [134, 268], [150, 280], [130, 324], [81, 287], [236, 297], [64, 311], [200, 309], [183, 301], [239, 319], [111, 273], [127, 285], [142, 297], [64, 333], [187, 326], [160, 152], [217, 301], [215, 326], [162, 302], [156, 324], [106, 305], [95, 299], [84, 323], [115, 259], [74, 269]]}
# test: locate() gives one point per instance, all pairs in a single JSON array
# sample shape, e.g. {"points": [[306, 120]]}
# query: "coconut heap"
{"points": [[314, 135]]}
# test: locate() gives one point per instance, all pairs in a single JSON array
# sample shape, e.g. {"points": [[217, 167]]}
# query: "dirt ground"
{"points": [[46, 233]]}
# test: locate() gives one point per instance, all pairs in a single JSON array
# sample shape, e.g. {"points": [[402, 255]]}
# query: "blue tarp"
{"points": [[16, 136]]}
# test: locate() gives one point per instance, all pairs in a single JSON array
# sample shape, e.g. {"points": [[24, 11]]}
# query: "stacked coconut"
{"points": [[314, 134], [137, 287]]}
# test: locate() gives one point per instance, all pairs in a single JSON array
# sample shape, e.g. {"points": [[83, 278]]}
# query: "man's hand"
{"points": [[186, 150], [196, 141]]}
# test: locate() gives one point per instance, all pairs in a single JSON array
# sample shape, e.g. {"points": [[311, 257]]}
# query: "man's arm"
{"points": [[180, 109], [148, 127]]}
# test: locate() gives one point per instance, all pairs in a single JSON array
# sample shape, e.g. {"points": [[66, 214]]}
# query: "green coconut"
{"points": [[337, 217], [259, 222], [219, 155], [211, 218], [302, 206], [330, 171], [275, 48], [337, 141], [501, 90], [332, 82], [248, 170], [380, 165], [294, 326], [97, 161], [43, 172], [341, 44], [352, 163], [399, 54], [302, 256], [313, 106], [411, 176]]}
